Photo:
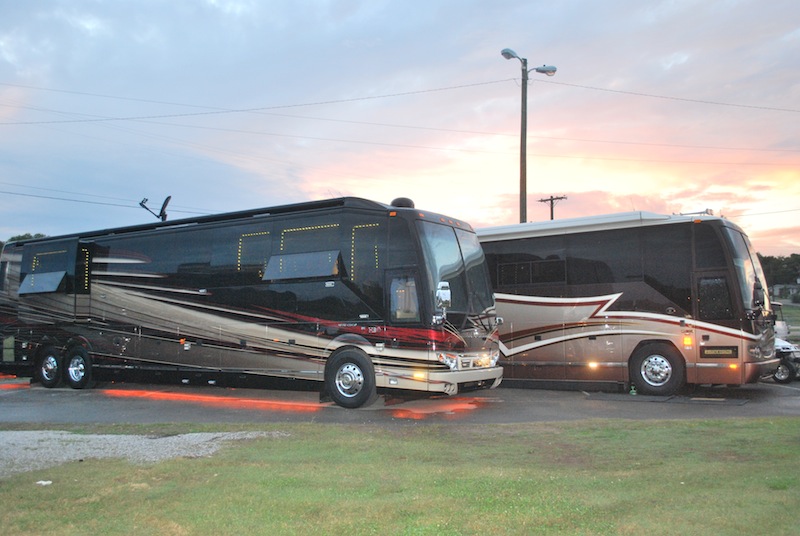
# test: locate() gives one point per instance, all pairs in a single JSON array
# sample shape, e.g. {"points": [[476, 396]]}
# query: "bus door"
{"points": [[715, 352], [404, 312]]}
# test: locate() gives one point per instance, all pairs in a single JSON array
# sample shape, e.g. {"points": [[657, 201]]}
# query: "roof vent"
{"points": [[403, 202]]}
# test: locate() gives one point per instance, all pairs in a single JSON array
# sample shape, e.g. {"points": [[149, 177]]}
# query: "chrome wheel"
{"points": [[656, 370], [783, 374], [49, 368], [79, 368], [76, 369], [349, 380]]}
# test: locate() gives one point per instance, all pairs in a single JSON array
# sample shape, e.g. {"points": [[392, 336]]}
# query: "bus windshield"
{"points": [[455, 256], [748, 269]]}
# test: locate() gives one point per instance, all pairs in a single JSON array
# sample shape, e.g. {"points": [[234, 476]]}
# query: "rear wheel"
{"points": [[657, 369], [350, 379], [48, 368], [78, 368]]}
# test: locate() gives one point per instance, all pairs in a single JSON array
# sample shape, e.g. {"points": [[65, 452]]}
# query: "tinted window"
{"points": [[309, 234], [603, 257], [667, 261], [364, 256], [50, 267], [402, 250], [714, 299], [516, 264], [325, 264], [161, 253], [477, 273], [708, 248]]}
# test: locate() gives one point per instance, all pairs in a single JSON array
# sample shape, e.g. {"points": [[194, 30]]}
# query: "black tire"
{"points": [[48, 367], [350, 379], [657, 369], [785, 373], [78, 368]]}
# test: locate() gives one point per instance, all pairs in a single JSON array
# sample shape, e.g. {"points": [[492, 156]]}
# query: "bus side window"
{"points": [[404, 301], [714, 299]]}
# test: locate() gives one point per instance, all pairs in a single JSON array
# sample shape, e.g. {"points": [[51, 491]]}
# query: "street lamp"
{"points": [[549, 70]]}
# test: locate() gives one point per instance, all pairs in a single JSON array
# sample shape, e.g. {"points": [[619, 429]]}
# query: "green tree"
{"points": [[781, 270], [26, 236]]}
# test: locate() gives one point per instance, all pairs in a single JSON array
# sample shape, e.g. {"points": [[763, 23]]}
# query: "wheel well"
{"points": [[348, 340], [78, 341], [44, 345], [345, 349]]}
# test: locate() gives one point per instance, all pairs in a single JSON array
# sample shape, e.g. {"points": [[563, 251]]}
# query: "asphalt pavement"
{"points": [[23, 402]]}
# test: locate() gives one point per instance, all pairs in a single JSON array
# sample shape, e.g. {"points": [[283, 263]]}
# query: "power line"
{"points": [[667, 97], [770, 213], [219, 111], [263, 110], [516, 135], [538, 81], [468, 150], [136, 206], [69, 192]]}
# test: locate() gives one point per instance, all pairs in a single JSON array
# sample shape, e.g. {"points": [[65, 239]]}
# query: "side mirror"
{"points": [[758, 294], [443, 296]]}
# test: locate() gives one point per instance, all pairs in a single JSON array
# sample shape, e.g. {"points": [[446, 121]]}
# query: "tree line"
{"points": [[26, 236], [782, 271]]}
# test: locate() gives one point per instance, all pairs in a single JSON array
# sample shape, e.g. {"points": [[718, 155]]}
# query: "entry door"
{"points": [[713, 300]]}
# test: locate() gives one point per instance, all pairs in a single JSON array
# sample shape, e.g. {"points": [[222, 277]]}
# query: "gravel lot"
{"points": [[29, 451]]}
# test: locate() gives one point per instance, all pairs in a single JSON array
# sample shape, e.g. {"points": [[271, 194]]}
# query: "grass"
{"points": [[593, 477]]}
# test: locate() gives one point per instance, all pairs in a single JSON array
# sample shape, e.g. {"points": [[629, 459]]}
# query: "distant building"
{"points": [[784, 292]]}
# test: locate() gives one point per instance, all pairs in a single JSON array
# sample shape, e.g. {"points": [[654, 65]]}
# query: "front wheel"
{"points": [[784, 373], [78, 368], [48, 368], [350, 379], [657, 369]]}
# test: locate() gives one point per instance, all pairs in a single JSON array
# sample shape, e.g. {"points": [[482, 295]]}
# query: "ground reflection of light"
{"points": [[451, 408], [10, 386], [8, 382], [220, 401]]}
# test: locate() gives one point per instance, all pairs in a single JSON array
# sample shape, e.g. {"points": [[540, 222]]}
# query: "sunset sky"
{"points": [[662, 106]]}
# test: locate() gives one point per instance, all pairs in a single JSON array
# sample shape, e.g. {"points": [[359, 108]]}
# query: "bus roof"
{"points": [[349, 202], [619, 220]]}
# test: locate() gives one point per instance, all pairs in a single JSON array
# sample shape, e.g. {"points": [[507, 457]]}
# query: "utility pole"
{"points": [[549, 70], [552, 200]]}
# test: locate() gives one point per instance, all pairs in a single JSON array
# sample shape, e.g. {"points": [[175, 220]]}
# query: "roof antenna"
{"points": [[162, 215]]}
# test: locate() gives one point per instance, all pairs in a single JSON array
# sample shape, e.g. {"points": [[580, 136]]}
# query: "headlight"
{"points": [[451, 360]]}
